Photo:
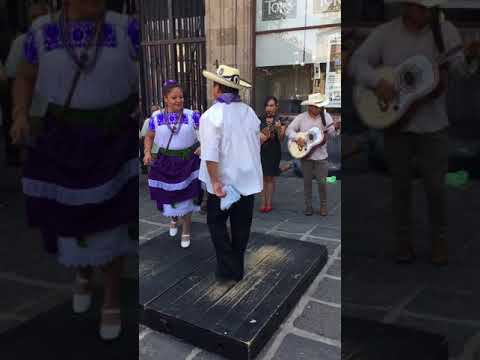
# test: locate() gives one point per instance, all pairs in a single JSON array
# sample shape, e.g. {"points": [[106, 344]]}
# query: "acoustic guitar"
{"points": [[313, 138], [414, 80]]}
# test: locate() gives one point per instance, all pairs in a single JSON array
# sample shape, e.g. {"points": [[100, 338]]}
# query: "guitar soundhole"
{"points": [[409, 78]]}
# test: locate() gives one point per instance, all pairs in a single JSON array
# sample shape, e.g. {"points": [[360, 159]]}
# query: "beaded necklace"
{"points": [[83, 61], [174, 121]]}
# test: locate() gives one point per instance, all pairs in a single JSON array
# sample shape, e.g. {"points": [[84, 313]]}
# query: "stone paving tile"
{"points": [[299, 348], [349, 310], [147, 228], [329, 290], [320, 319], [367, 292], [286, 235], [15, 294], [157, 346], [296, 227], [335, 269], [331, 245], [36, 306], [451, 305], [457, 334], [208, 356], [328, 232], [7, 324]]}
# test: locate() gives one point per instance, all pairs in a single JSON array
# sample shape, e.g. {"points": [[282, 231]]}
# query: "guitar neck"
{"points": [[444, 58]]}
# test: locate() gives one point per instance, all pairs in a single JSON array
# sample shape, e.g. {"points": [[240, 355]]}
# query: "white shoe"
{"points": [[111, 331], [81, 301], [173, 229], [185, 243]]}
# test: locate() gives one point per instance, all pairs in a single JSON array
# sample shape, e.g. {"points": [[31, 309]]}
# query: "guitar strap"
{"points": [[324, 122], [435, 25]]}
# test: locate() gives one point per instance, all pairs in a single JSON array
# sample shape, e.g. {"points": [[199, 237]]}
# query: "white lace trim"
{"points": [[78, 197], [176, 186]]}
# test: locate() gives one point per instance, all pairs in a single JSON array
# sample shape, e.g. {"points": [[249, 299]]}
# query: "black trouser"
{"points": [[230, 249]]}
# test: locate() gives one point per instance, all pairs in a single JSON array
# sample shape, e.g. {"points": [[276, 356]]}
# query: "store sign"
{"points": [[333, 81], [327, 6], [278, 9]]}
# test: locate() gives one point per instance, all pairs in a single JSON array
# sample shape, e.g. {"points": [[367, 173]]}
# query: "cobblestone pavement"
{"points": [[312, 330], [437, 300]]}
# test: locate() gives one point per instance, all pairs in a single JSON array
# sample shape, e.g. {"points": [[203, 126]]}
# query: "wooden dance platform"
{"points": [[180, 295], [364, 339]]}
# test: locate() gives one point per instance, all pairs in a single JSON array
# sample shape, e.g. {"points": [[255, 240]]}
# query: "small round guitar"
{"points": [[313, 138]]}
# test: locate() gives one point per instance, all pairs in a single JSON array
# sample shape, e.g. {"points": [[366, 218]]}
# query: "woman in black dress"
{"points": [[271, 151]]}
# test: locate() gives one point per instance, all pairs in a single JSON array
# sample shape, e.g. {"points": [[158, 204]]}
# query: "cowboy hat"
{"points": [[227, 76], [426, 3], [319, 100]]}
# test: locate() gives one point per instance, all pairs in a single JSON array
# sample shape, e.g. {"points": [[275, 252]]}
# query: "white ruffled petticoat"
{"points": [[180, 209], [101, 248]]}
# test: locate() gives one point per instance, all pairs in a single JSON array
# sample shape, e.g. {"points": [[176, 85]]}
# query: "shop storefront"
{"points": [[298, 52]]}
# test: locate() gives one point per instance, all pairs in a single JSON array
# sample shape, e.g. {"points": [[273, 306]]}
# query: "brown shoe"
{"points": [[440, 252], [405, 252], [308, 211], [323, 210]]}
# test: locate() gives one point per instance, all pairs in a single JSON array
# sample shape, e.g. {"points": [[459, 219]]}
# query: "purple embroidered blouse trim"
{"points": [[196, 120], [29, 49], [78, 34], [133, 31], [170, 119]]}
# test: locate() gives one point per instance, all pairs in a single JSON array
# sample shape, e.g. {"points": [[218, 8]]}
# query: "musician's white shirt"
{"points": [[230, 135], [391, 44], [305, 122]]}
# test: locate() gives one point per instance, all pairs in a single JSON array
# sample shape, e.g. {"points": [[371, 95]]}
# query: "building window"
{"points": [[296, 51]]}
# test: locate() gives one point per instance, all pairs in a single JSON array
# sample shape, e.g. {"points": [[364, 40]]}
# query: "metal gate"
{"points": [[173, 47]]}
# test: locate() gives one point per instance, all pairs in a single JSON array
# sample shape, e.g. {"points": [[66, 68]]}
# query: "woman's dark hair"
{"points": [[226, 90], [269, 98], [168, 86]]}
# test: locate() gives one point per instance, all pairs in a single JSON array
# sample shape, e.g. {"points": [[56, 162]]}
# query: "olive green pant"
{"points": [[431, 153], [311, 169]]}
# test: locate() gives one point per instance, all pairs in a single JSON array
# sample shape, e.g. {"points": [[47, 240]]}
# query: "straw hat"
{"points": [[319, 100], [426, 3], [227, 76]]}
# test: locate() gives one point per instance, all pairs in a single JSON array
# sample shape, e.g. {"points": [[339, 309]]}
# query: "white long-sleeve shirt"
{"points": [[391, 44], [305, 122], [230, 136]]}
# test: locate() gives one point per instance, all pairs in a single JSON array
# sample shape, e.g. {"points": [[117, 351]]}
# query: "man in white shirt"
{"points": [[419, 31], [316, 163], [230, 152]]}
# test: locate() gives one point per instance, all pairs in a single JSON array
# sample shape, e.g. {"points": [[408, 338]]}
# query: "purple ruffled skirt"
{"points": [[174, 180], [81, 180]]}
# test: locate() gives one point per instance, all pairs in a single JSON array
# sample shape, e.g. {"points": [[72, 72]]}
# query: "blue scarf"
{"points": [[228, 98]]}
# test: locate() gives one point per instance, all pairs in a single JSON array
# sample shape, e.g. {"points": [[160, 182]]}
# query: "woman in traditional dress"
{"points": [[173, 177], [81, 173], [271, 150]]}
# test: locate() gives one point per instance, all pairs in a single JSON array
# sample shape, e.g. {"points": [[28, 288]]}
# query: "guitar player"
{"points": [[419, 31], [317, 162]]}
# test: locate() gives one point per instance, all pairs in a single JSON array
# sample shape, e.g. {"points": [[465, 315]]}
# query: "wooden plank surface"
{"points": [[234, 319]]}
